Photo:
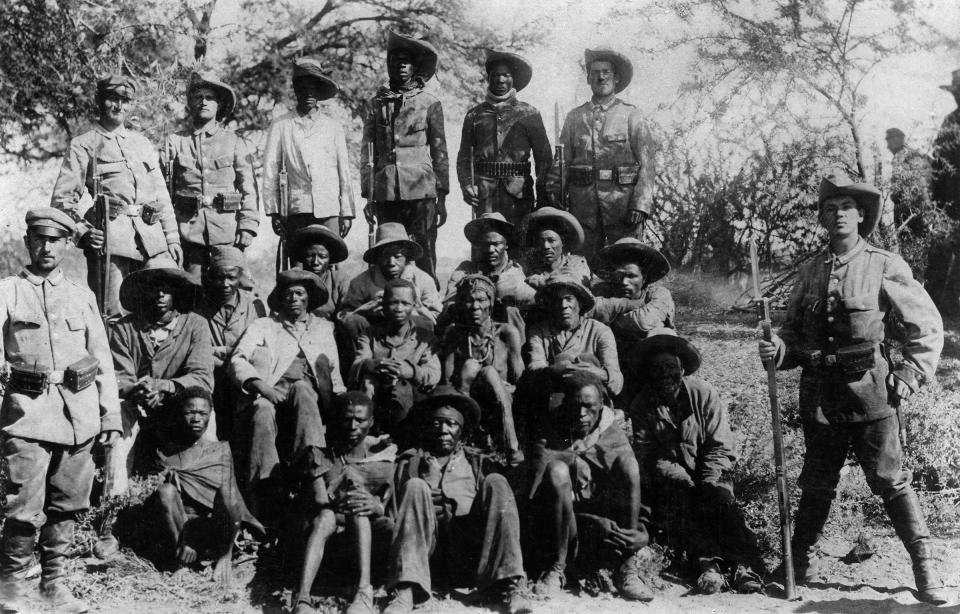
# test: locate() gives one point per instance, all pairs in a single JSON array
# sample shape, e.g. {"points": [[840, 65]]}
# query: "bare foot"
{"points": [[186, 555], [223, 571]]}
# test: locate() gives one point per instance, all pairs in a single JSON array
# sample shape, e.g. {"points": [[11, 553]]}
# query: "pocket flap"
{"points": [[223, 162], [75, 322], [619, 137]]}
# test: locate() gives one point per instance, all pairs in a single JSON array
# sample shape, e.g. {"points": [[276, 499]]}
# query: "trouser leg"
{"points": [[414, 537], [500, 555], [826, 451], [299, 425], [120, 267], [263, 458], [120, 458]]}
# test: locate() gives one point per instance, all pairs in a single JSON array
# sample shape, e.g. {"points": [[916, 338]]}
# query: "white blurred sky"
{"points": [[900, 92]]}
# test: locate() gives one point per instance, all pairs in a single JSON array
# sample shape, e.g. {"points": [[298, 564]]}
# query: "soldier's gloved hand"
{"points": [[441, 210], [276, 223], [899, 387], [92, 239], [346, 223], [176, 252], [768, 350], [243, 240], [471, 196], [635, 216]]}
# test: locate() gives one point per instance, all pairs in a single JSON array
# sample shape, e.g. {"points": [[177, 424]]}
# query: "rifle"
{"points": [[368, 211], [763, 306], [283, 258], [101, 258], [473, 182], [559, 155]]}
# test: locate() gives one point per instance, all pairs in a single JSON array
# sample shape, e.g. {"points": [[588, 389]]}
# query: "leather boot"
{"points": [[907, 517], [55, 539], [808, 522], [16, 556]]}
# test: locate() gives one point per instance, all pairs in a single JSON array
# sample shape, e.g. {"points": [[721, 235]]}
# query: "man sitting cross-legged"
{"points": [[482, 358], [586, 482], [198, 505], [453, 515], [354, 487], [395, 363], [682, 435]]}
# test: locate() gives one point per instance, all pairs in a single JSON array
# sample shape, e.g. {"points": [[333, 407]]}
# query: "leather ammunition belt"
{"points": [[501, 170], [849, 360], [150, 212], [224, 203], [623, 175], [35, 379]]}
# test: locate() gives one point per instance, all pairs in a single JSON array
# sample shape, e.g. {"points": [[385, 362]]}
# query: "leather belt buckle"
{"points": [[604, 174]]}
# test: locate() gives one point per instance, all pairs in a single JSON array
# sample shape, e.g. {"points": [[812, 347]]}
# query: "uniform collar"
{"points": [[850, 255], [603, 107], [208, 130], [119, 132], [54, 278]]}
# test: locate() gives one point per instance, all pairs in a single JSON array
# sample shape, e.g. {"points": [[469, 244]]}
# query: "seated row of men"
{"points": [[504, 336]]}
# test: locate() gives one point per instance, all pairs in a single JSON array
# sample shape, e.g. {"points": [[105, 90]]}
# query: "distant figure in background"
{"points": [[500, 135], [910, 177], [943, 276], [404, 125]]}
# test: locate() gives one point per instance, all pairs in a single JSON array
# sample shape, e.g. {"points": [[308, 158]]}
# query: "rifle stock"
{"points": [[779, 457], [101, 259]]}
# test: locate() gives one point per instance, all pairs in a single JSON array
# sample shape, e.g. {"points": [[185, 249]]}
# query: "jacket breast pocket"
{"points": [[866, 321], [223, 162], [417, 126], [618, 137]]}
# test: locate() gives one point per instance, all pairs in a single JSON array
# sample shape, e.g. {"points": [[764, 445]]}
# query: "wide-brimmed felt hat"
{"points": [[391, 233], [558, 283], [449, 396], [654, 264], [318, 233], [520, 68], [954, 82], [316, 294], [666, 340], [425, 53], [156, 271], [563, 222], [228, 97], [313, 68], [487, 222], [837, 183], [621, 64]]}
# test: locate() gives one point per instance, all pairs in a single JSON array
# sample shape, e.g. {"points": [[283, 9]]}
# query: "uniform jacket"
{"points": [[185, 357], [129, 168], [602, 139], [508, 131], [701, 444], [512, 287], [410, 147], [34, 312], [840, 301], [545, 343], [208, 162], [413, 345], [946, 164], [369, 285], [270, 345], [314, 150], [225, 331]]}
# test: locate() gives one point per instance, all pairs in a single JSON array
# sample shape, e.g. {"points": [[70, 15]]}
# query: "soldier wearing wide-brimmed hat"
{"points": [[60, 398], [501, 137], [630, 301], [318, 249], [550, 236], [491, 238], [312, 148], [608, 157], [286, 364], [943, 272], [159, 348], [125, 165], [210, 175], [839, 319], [404, 130], [681, 424]]}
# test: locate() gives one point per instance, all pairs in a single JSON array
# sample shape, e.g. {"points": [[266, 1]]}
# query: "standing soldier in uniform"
{"points": [[405, 127], [61, 394], [312, 148], [499, 136], [608, 158], [142, 225], [838, 321], [212, 185]]}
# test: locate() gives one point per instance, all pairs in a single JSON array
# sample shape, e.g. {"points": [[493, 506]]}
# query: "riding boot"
{"points": [[907, 517], [811, 516], [16, 556], [56, 536]]}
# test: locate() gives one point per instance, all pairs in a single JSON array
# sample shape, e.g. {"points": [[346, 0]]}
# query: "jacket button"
{"points": [[830, 339], [830, 319]]}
